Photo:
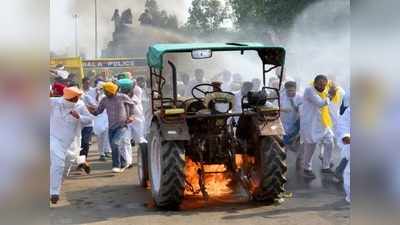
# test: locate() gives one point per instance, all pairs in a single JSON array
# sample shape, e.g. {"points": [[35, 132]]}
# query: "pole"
{"points": [[95, 29], [76, 35]]}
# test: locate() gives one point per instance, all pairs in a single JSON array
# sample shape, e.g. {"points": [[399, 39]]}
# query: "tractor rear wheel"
{"points": [[271, 170], [166, 165]]}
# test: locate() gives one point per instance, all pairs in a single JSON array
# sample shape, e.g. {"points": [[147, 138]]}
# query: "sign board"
{"points": [[114, 63], [71, 64]]}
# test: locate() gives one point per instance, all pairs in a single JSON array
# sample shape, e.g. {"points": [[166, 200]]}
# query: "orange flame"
{"points": [[218, 180]]}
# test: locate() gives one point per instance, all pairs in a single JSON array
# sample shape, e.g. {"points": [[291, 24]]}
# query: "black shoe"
{"points": [[327, 171], [54, 199], [103, 158], [79, 168], [108, 155], [86, 167], [309, 174]]}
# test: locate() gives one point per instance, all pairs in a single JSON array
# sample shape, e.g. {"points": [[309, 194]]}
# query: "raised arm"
{"points": [[85, 116], [314, 98], [100, 109]]}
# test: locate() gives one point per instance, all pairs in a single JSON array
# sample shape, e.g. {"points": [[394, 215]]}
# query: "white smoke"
{"points": [[22, 21], [319, 43], [61, 27], [62, 23]]}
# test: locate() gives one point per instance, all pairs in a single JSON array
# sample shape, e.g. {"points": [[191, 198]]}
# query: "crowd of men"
{"points": [[111, 110], [318, 120], [116, 112]]}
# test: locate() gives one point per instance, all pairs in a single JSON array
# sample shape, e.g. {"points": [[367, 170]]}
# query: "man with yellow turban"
{"points": [[67, 114], [120, 110], [316, 126]]}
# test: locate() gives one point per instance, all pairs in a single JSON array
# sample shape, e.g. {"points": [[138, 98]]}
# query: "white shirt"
{"points": [[63, 126], [311, 128], [226, 85], [343, 130], [289, 115], [334, 109]]}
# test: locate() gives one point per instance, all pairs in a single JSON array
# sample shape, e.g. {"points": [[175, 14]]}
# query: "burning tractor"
{"points": [[204, 129]]}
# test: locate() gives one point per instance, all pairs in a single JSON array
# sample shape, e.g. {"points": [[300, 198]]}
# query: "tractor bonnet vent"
{"points": [[236, 44]]}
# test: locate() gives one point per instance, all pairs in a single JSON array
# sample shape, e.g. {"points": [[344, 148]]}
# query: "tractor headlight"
{"points": [[222, 107]]}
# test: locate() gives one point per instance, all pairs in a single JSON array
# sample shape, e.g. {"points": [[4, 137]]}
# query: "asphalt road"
{"points": [[106, 198]]}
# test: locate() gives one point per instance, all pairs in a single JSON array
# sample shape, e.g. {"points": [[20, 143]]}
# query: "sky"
{"points": [[62, 37], [62, 22]]}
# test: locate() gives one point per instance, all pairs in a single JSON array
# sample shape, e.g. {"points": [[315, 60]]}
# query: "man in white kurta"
{"points": [[244, 90], [313, 131], [226, 81], [343, 140], [100, 126], [146, 105], [67, 113], [290, 117], [290, 103], [199, 79], [138, 133]]}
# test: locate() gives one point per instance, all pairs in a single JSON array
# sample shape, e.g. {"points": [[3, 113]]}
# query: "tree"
{"points": [[151, 6], [171, 22], [154, 17], [277, 14], [206, 16]]}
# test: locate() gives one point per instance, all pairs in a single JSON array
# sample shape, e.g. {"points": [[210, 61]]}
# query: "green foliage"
{"points": [[160, 18], [206, 16], [152, 6], [277, 14]]}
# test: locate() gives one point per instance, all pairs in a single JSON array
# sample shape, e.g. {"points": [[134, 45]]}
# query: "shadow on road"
{"points": [[340, 205], [119, 201]]}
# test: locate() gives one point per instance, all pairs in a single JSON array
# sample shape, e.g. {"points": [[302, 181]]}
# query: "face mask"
{"points": [[69, 104]]}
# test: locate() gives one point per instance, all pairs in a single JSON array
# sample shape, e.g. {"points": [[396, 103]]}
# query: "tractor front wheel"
{"points": [[143, 173], [271, 170]]}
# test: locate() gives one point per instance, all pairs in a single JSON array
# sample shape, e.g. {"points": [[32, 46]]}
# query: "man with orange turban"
{"points": [[67, 113]]}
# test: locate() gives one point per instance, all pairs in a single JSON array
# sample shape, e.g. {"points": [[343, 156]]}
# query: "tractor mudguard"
{"points": [[175, 131], [269, 127], [172, 130]]}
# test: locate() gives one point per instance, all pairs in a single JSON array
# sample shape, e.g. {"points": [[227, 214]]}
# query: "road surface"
{"points": [[103, 198]]}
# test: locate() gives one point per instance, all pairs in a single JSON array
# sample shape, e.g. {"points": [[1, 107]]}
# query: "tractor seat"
{"points": [[225, 97]]}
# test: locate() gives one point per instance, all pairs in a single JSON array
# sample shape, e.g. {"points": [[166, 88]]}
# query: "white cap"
{"points": [[100, 85], [59, 73]]}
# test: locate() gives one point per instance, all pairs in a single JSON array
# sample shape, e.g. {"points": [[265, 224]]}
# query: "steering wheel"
{"points": [[204, 92]]}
